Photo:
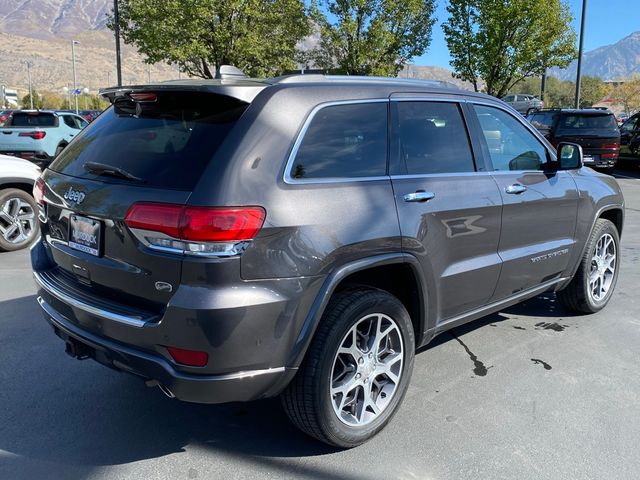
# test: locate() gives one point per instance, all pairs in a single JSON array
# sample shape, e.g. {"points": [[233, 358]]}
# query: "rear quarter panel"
{"points": [[597, 193]]}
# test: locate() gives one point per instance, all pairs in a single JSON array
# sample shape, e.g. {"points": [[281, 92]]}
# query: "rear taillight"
{"points": [[39, 135], [38, 191], [195, 230], [610, 146]]}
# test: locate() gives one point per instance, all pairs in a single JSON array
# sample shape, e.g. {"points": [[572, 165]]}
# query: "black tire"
{"points": [[577, 295], [12, 243], [308, 401]]}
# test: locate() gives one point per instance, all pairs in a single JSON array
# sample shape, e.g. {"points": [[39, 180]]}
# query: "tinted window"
{"points": [[33, 120], [69, 121], [630, 125], [511, 146], [541, 120], [590, 124], [429, 137], [167, 143], [509, 98], [344, 141]]}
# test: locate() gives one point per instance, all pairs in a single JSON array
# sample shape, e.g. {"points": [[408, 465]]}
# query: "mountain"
{"points": [[40, 32], [52, 18], [611, 62]]}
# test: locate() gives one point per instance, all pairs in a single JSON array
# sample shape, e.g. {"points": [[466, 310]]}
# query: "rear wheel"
{"points": [[18, 219], [356, 370], [594, 282]]}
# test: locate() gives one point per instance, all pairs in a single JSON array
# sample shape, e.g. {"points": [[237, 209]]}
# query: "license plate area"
{"points": [[85, 235], [589, 159]]}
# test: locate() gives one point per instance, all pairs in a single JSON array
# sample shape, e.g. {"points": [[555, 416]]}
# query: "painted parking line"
{"points": [[619, 175]]}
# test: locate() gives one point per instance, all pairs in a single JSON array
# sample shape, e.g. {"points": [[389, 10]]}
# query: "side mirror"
{"points": [[569, 156]]}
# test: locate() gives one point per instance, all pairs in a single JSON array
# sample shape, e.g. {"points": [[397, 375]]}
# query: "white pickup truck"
{"points": [[39, 135]]}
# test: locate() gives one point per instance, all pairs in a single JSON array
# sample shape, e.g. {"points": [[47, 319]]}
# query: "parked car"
{"points": [[90, 115], [4, 116], [524, 103], [623, 117], [236, 239], [39, 135], [593, 129], [630, 138], [19, 225]]}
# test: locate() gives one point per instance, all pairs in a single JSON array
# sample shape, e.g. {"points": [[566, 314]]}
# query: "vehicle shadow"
{"points": [[73, 416]]}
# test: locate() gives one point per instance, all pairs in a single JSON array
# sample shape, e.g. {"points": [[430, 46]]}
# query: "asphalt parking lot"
{"points": [[532, 392]]}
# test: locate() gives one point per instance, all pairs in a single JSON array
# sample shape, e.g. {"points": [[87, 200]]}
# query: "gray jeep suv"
{"points": [[236, 239]]}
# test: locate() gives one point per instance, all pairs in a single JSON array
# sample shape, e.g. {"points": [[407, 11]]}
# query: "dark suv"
{"points": [[230, 240], [594, 129]]}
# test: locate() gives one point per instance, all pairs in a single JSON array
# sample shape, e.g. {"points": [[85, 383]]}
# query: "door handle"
{"points": [[515, 189], [419, 196]]}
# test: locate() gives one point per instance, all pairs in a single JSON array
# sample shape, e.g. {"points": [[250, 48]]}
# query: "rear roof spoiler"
{"points": [[240, 89]]}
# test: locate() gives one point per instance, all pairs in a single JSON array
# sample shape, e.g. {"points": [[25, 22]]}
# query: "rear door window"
{"points": [[429, 137], [166, 143], [344, 141]]}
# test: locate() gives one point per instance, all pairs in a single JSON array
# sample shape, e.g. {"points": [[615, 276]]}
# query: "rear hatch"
{"points": [[148, 147], [25, 132], [596, 132]]}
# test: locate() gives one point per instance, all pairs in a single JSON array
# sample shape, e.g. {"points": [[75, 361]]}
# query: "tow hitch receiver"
{"points": [[76, 349]]}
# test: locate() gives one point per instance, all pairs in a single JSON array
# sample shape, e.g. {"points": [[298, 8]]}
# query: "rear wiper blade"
{"points": [[110, 170]]}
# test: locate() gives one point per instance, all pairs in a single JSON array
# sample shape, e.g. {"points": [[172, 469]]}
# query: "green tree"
{"points": [[371, 37], [257, 36], [627, 94], [559, 93], [503, 42], [529, 85], [38, 100], [592, 90]]}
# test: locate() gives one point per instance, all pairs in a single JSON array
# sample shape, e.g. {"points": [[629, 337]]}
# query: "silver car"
{"points": [[524, 103], [19, 225]]}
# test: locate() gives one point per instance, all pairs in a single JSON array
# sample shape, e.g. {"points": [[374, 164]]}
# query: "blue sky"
{"points": [[607, 22]]}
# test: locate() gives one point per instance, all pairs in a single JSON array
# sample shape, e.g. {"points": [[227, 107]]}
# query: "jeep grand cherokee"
{"points": [[236, 239]]}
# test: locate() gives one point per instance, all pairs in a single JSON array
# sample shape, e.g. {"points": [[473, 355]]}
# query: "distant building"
{"points": [[8, 97]]}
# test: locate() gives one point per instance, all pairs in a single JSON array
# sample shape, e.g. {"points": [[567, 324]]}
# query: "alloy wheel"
{"points": [[366, 370], [17, 220], [603, 267]]}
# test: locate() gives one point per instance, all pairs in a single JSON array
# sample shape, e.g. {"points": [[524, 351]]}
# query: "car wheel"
{"points": [[356, 371], [594, 282], [19, 224]]}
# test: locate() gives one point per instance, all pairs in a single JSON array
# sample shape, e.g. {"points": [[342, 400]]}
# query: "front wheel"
{"points": [[594, 282], [356, 371]]}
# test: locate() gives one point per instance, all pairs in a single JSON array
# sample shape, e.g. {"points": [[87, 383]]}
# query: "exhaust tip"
{"points": [[166, 391]]}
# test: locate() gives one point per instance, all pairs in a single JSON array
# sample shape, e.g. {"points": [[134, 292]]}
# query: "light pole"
{"points": [[579, 70], [108, 79], [148, 73], [29, 78], [73, 60], [116, 32]]}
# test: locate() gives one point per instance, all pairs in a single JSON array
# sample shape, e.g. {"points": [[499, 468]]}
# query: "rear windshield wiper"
{"points": [[110, 171]]}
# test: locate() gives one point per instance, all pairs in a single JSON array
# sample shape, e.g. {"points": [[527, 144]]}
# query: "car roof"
{"points": [[246, 89], [574, 111]]}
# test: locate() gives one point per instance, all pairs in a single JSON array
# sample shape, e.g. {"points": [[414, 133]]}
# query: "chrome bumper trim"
{"points": [[73, 302]]}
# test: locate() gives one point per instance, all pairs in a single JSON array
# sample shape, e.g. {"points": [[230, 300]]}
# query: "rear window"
{"points": [[166, 143], [20, 119], [574, 124]]}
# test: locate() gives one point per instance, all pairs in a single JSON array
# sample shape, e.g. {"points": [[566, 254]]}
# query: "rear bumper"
{"points": [[231, 387], [248, 330]]}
